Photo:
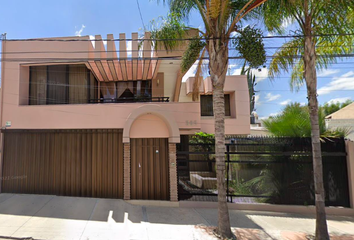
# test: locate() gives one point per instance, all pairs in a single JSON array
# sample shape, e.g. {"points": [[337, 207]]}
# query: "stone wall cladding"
{"points": [[173, 173], [126, 171]]}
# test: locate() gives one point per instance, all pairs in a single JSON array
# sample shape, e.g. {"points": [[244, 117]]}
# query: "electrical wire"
{"points": [[141, 16], [156, 58], [167, 39]]}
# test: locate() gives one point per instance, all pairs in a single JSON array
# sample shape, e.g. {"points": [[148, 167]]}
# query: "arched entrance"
{"points": [[149, 133]]}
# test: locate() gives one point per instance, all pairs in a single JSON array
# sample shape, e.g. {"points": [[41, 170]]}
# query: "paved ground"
{"points": [[52, 217]]}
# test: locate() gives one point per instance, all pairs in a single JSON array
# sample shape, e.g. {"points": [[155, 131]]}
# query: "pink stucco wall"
{"points": [[186, 116], [239, 121]]}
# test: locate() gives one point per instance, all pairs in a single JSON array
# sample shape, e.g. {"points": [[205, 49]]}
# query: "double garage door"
{"points": [[85, 163]]}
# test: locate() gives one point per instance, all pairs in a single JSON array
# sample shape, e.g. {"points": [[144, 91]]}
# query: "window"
{"points": [[61, 84], [133, 90], [206, 105]]}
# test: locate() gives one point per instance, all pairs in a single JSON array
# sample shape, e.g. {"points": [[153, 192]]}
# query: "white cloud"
{"points": [[256, 99], [339, 100], [286, 23], [274, 114], [348, 74], [270, 115], [344, 82], [270, 97], [328, 72], [286, 102], [236, 71], [260, 75], [233, 34], [79, 32], [303, 104]]}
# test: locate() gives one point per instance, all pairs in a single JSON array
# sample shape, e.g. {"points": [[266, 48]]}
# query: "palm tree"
{"points": [[220, 18], [294, 121], [324, 26]]}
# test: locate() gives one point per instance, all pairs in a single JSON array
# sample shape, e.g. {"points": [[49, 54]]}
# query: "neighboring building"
{"points": [[342, 119], [257, 128], [78, 120]]}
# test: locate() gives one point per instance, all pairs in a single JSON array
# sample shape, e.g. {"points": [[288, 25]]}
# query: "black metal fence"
{"points": [[263, 170]]}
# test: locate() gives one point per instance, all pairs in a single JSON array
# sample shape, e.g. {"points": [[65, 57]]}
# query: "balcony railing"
{"points": [[130, 100]]}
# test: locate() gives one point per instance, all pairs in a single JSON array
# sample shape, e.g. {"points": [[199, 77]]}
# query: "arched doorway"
{"points": [[150, 136], [149, 158]]}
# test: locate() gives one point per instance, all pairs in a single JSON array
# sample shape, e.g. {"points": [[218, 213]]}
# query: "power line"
{"points": [[141, 16], [154, 50], [160, 58], [167, 39]]}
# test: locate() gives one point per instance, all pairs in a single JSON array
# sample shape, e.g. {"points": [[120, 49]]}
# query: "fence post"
{"points": [[228, 166], [349, 145]]}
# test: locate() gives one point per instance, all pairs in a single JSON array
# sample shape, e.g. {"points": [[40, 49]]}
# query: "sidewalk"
{"points": [[53, 217]]}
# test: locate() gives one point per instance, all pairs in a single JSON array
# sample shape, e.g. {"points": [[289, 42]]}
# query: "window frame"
{"points": [[227, 99]]}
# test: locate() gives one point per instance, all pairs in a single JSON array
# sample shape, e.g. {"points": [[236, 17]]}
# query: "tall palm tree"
{"points": [[220, 18], [324, 26]]}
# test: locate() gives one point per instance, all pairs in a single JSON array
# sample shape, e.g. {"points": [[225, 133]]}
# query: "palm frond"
{"points": [[198, 77], [168, 33], [284, 59], [192, 53], [297, 76]]}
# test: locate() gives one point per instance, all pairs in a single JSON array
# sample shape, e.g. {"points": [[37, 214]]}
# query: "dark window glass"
{"points": [[57, 85], [38, 85], [61, 84], [134, 90], [206, 105]]}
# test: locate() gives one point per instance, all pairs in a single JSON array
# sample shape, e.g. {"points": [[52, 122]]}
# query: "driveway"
{"points": [[54, 217]]}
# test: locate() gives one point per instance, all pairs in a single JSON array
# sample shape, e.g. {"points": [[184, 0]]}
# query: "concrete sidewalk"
{"points": [[53, 217]]}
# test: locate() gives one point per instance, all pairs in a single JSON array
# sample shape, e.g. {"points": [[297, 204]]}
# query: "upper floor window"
{"points": [[61, 84], [206, 105], [134, 90]]}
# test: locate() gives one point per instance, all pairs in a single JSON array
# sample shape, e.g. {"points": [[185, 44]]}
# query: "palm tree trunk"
{"points": [[219, 116], [311, 83]]}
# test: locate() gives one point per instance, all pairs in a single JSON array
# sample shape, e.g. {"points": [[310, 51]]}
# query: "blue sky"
{"points": [[34, 19]]}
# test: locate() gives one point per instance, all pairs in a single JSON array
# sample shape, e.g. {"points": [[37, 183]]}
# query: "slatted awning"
{"points": [[124, 70], [107, 67]]}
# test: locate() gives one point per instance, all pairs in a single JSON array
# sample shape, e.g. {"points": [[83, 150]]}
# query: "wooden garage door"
{"points": [[149, 169], [64, 162]]}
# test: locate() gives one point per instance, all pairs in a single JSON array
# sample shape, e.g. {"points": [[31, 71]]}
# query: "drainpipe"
{"points": [[2, 104]]}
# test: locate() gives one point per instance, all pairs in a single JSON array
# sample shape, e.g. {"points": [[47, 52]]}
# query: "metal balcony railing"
{"points": [[130, 100]]}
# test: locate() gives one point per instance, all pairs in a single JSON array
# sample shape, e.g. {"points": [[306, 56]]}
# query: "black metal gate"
{"points": [[263, 170]]}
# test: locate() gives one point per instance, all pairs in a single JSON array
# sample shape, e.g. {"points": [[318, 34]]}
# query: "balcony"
{"points": [[130, 100]]}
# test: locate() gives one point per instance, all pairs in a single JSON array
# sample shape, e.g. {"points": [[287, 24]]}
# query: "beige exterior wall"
{"points": [[170, 69], [344, 113], [346, 124]]}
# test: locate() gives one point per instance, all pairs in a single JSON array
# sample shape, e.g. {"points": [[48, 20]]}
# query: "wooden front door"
{"points": [[149, 169]]}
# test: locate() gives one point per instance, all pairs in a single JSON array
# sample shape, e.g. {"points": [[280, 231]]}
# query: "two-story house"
{"points": [[82, 119]]}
